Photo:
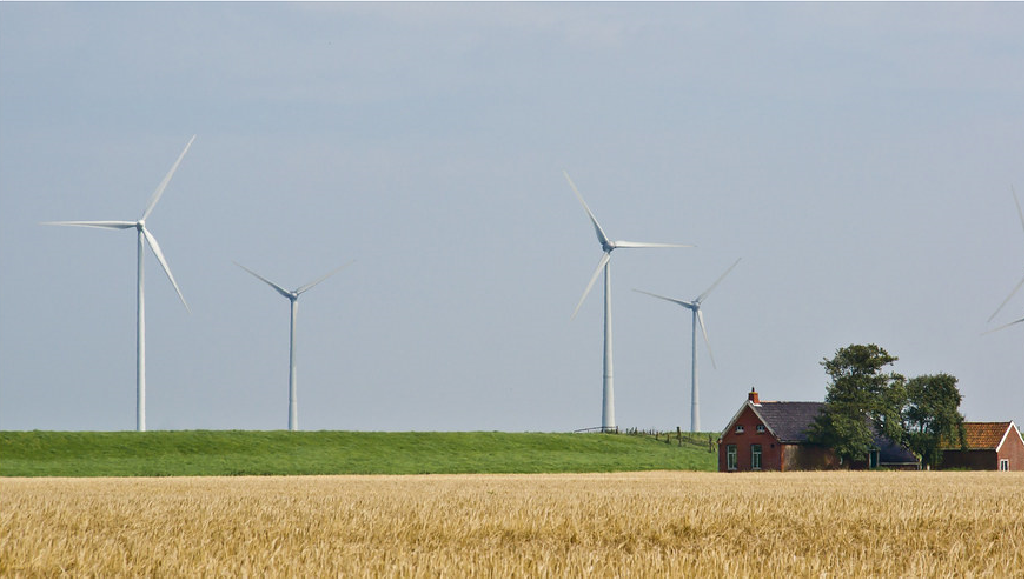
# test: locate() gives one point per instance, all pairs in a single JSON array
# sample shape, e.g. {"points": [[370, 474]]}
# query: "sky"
{"points": [[858, 157]]}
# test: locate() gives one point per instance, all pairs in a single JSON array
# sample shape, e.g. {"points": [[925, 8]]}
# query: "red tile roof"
{"points": [[982, 434]]}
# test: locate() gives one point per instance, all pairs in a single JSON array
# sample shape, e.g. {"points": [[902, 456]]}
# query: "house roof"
{"points": [[788, 421], [985, 434], [890, 453]]}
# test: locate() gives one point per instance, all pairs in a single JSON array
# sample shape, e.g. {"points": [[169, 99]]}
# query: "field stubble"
{"points": [[642, 524]]}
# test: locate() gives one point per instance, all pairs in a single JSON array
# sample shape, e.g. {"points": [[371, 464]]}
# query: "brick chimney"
{"points": [[752, 397]]}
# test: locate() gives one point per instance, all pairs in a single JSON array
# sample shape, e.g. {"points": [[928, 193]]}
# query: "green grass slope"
{"points": [[234, 452]]}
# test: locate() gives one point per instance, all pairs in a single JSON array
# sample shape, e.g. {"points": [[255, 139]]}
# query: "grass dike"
{"points": [[243, 452]]}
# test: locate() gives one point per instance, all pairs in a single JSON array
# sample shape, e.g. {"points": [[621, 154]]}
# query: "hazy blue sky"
{"points": [[858, 157]]}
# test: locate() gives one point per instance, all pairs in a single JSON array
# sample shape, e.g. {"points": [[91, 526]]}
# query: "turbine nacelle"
{"points": [[293, 295]]}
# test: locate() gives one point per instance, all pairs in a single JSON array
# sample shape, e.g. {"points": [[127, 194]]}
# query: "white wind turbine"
{"points": [[1019, 284], [697, 316], [293, 297], [144, 237], [607, 246]]}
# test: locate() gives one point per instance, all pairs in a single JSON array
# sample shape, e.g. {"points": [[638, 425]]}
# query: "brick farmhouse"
{"points": [[772, 436]]}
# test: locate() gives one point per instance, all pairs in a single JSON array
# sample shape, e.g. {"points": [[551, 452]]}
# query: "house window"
{"points": [[1004, 464], [755, 456], [730, 456], [760, 429], [739, 429]]}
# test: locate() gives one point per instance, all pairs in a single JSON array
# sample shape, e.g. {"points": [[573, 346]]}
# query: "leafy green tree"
{"points": [[860, 397], [932, 415]]}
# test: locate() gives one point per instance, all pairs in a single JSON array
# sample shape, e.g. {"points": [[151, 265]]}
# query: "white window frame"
{"points": [[756, 464], [1004, 464], [730, 457], [739, 429], [760, 429]]}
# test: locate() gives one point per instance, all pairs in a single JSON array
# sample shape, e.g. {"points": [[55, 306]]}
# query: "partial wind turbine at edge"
{"points": [[1021, 282]]}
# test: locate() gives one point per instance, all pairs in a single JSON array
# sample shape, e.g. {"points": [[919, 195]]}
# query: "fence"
{"points": [[690, 439]]}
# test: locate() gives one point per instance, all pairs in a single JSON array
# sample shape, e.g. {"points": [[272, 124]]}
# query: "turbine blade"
{"points": [[618, 244], [700, 318], [1015, 289], [167, 179], [163, 262], [279, 289], [667, 299], [600, 265], [1019, 212], [1003, 327], [701, 297], [597, 226], [101, 224], [310, 285]]}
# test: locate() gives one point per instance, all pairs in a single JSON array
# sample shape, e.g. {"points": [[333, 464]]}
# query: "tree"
{"points": [[860, 401], [931, 416]]}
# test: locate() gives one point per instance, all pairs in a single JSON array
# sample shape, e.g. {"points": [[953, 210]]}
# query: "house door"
{"points": [[873, 459]]}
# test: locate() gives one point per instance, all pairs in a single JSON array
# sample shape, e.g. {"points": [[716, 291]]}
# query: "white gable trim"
{"points": [[1011, 428], [735, 417]]}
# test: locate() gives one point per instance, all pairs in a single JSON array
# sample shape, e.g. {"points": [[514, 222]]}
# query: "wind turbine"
{"points": [[697, 316], [607, 246], [144, 237], [293, 297], [1021, 282]]}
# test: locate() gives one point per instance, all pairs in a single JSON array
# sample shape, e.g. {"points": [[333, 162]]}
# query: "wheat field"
{"points": [[825, 524]]}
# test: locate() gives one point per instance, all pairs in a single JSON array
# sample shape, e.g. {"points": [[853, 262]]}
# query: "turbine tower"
{"points": [[697, 316], [607, 246], [144, 237], [1021, 282], [293, 297]]}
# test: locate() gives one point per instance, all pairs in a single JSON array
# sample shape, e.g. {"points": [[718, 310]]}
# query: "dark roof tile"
{"points": [[789, 420]]}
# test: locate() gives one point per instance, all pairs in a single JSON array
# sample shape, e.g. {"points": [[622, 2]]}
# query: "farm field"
{"points": [[945, 524]]}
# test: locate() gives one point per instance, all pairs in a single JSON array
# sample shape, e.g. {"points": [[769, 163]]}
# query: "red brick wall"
{"points": [[771, 450], [1012, 449], [806, 457]]}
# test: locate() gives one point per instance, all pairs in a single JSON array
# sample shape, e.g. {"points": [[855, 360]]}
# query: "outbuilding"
{"points": [[990, 446]]}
